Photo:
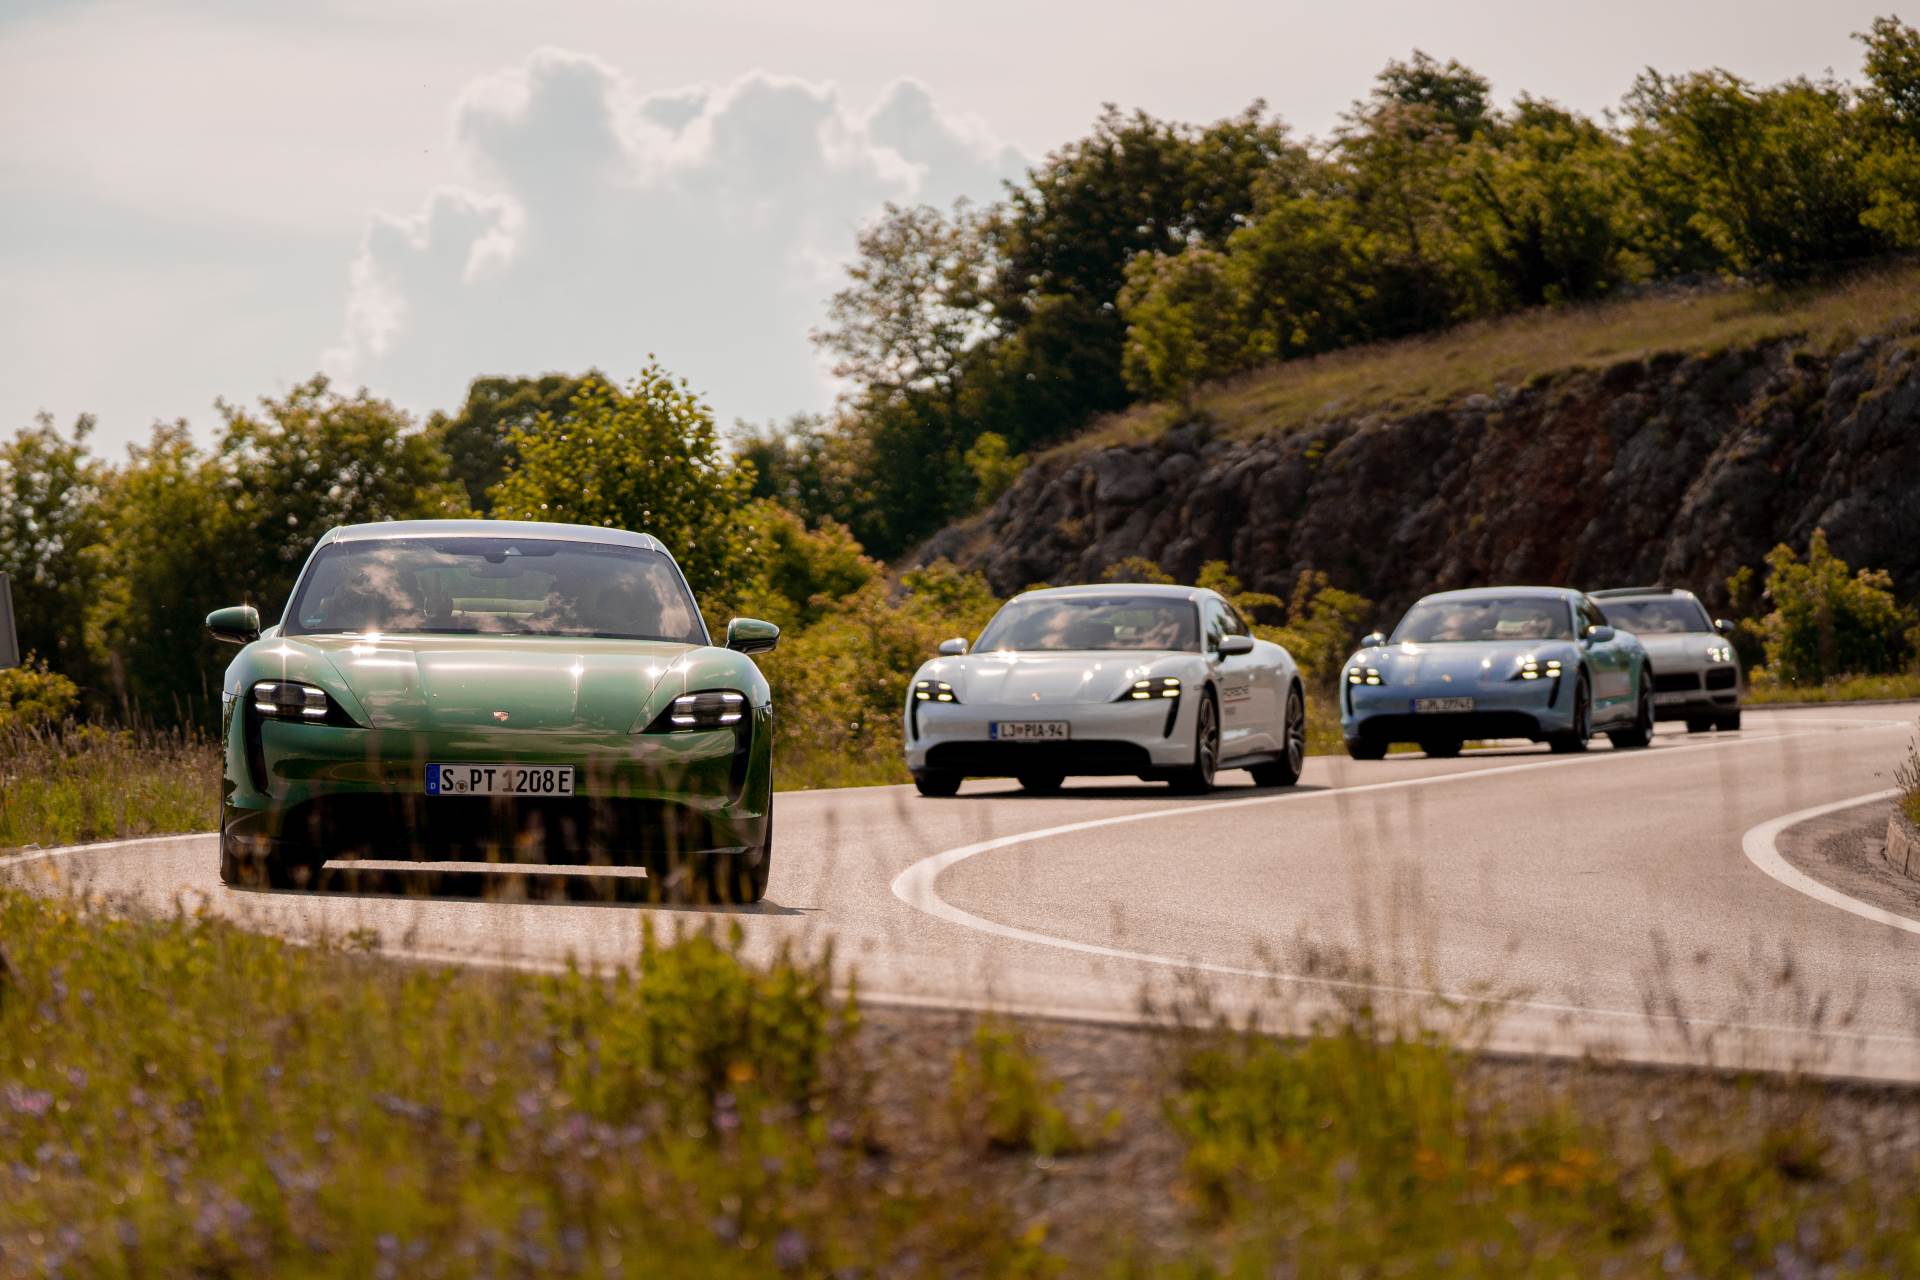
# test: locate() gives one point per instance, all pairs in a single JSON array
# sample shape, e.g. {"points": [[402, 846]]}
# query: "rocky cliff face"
{"points": [[1672, 469]]}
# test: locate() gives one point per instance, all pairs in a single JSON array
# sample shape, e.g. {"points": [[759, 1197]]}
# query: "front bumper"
{"points": [[1710, 689], [351, 792], [1111, 739], [1531, 709]]}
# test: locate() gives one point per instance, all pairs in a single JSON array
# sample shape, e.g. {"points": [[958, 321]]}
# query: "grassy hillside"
{"points": [[1424, 373]]}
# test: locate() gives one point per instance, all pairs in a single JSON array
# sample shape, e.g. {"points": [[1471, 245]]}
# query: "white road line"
{"points": [[917, 886], [1762, 850]]}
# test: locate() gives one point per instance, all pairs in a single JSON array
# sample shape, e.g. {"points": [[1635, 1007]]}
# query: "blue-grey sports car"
{"points": [[1539, 663]]}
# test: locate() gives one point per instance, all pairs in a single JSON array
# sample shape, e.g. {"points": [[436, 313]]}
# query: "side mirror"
{"points": [[953, 648], [1724, 627], [1234, 646], [1373, 640], [236, 624], [750, 635], [1600, 635]]}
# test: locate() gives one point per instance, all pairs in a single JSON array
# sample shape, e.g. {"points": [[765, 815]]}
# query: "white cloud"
{"points": [[704, 224]]}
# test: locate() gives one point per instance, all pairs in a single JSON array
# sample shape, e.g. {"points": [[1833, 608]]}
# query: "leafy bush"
{"points": [[1001, 1093], [32, 697], [1827, 622], [841, 684]]}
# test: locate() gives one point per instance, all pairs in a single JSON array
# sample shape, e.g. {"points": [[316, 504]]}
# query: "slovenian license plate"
{"points": [[1028, 730], [499, 780], [1428, 706]]}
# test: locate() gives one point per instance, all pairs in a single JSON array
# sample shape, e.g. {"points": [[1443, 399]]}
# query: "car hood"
{"points": [[447, 682], [1460, 664], [1049, 679]]}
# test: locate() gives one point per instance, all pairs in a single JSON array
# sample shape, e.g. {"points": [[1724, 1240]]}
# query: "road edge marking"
{"points": [[1761, 845]]}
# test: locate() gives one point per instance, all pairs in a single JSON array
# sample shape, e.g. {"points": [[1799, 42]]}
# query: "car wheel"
{"points": [[1366, 749], [1442, 748], [739, 879], [1285, 771], [1730, 721], [273, 867], [1699, 724], [1041, 784], [937, 782], [1575, 738], [1641, 735], [1197, 778]]}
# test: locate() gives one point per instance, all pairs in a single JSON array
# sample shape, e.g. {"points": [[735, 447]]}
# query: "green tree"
{"points": [[1775, 177], [799, 574], [1541, 196], [476, 437], [1827, 622], [994, 466], [52, 521], [1183, 322], [645, 457], [1452, 95], [1067, 235], [1891, 111]]}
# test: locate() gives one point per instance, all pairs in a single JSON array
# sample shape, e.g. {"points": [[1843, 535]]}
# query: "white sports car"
{"points": [[1154, 682]]}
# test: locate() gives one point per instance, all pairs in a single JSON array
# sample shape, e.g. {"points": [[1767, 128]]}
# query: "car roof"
{"points": [[1495, 593], [492, 529], [1171, 590], [1640, 593]]}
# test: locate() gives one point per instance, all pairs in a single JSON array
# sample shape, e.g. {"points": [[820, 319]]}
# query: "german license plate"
{"points": [[1028, 730], [1668, 699], [1429, 706], [499, 780]]}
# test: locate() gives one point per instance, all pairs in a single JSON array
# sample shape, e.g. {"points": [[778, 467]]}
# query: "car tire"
{"points": [[1442, 748], [938, 783], [1730, 721], [1366, 749], [1641, 735], [739, 879], [1285, 771], [1576, 738], [1699, 724], [1196, 779], [1041, 784]]}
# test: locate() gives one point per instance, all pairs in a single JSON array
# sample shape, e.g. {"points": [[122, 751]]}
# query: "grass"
{"points": [[1846, 689], [1907, 777], [1422, 373], [180, 1097], [75, 784]]}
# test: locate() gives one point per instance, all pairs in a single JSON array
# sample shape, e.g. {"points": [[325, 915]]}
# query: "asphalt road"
{"points": [[1601, 902]]}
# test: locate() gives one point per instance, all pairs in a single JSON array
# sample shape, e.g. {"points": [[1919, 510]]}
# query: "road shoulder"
{"points": [[1843, 850]]}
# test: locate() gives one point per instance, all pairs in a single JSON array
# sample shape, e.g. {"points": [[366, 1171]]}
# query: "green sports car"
{"points": [[497, 691]]}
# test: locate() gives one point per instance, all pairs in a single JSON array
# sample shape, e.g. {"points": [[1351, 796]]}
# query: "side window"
{"points": [[1590, 616], [1236, 625], [1213, 616]]}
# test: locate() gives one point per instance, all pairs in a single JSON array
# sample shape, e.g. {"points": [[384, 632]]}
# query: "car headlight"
{"points": [[296, 701], [1363, 675], [1719, 653], [705, 709], [1533, 669], [1145, 690], [934, 691]]}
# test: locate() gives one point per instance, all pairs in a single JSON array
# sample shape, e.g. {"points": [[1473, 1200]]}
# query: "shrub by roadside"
{"points": [[178, 1096], [68, 783]]}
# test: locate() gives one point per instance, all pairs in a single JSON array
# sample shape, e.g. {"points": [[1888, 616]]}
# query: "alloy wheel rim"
{"points": [[1296, 732], [1209, 739]]}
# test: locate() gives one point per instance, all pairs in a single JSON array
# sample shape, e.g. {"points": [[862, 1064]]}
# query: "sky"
{"points": [[218, 200]]}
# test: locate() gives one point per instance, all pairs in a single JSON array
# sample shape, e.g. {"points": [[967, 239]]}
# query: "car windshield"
{"points": [[1068, 623], [494, 586], [1671, 616], [1486, 618]]}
